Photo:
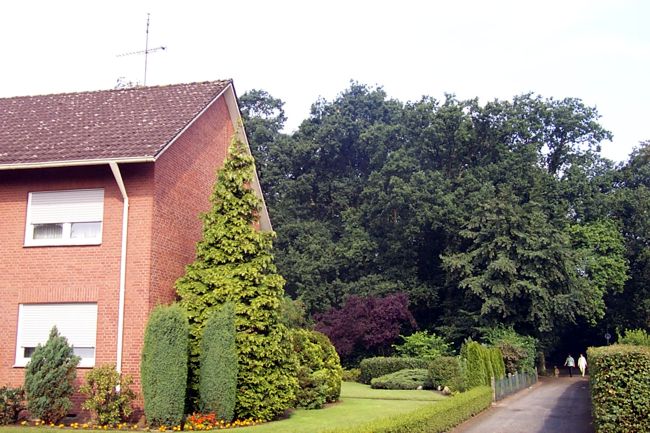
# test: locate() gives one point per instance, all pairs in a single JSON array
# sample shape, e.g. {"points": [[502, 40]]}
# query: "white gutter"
{"points": [[75, 163], [125, 225]]}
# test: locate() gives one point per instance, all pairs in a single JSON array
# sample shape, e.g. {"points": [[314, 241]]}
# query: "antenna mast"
{"points": [[145, 52]]}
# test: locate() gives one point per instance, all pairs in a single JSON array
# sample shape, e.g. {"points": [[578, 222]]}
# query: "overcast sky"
{"points": [[595, 50]]}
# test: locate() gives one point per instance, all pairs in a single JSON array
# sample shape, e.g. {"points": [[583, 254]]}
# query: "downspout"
{"points": [[125, 225]]}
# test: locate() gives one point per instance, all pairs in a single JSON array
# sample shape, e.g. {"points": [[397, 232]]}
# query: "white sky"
{"points": [[596, 50]]}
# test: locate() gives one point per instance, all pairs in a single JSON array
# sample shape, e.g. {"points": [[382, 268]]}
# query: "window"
{"points": [[76, 322], [71, 217]]}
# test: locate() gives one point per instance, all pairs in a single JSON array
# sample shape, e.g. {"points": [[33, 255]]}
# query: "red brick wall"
{"points": [[72, 273], [184, 178], [166, 199]]}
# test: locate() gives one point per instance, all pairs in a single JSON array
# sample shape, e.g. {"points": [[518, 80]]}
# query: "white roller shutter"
{"points": [[77, 322], [80, 205]]}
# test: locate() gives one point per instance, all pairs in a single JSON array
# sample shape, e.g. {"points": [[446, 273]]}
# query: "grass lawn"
{"points": [[359, 404]]}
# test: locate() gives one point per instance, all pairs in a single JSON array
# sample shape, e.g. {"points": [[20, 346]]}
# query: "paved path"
{"points": [[553, 405]]}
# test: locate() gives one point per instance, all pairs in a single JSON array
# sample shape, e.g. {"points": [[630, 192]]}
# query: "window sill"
{"points": [[62, 244]]}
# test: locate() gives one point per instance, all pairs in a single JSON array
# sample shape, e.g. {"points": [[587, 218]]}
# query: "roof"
{"points": [[136, 123]]}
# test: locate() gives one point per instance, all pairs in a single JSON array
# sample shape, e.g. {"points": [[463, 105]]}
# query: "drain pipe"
{"points": [[125, 225]]}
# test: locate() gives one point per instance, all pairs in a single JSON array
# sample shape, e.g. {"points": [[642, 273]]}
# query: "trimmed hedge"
{"points": [[379, 366], [477, 374], [413, 378], [218, 373], [437, 418], [619, 379], [163, 366], [447, 371]]}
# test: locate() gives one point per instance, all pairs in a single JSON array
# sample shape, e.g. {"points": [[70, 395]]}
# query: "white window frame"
{"points": [[66, 317], [66, 214]]}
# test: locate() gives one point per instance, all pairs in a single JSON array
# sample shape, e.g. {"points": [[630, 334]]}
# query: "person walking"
{"points": [[570, 362], [582, 364]]}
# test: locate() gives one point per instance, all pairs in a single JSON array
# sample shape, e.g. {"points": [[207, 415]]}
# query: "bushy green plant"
{"points": [[635, 337], [12, 401], [447, 371], [163, 366], [319, 369], [423, 345], [473, 353], [218, 377], [351, 375], [619, 379], [49, 378], [436, 418], [414, 378], [108, 405], [379, 366], [518, 351], [234, 262]]}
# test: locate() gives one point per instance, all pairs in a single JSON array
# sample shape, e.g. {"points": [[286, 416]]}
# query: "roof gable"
{"points": [[135, 123]]}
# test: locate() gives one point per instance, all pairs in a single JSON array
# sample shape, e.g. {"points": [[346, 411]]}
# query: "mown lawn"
{"points": [[359, 404]]}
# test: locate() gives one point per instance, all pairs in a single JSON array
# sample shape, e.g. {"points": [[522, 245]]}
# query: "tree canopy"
{"points": [[482, 214]]}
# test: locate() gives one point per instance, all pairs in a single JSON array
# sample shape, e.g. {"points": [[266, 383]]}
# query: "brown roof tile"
{"points": [[107, 124]]}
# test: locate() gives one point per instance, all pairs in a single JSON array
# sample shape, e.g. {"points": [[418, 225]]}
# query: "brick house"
{"points": [[100, 194]]}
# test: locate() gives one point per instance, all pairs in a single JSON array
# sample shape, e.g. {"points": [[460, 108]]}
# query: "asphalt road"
{"points": [[553, 405]]}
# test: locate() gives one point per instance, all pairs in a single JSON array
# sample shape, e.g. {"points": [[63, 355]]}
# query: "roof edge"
{"points": [[74, 163]]}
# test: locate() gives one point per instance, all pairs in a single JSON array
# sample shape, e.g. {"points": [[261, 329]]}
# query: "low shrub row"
{"points": [[620, 388], [372, 368], [436, 418], [11, 403], [414, 378], [483, 363]]}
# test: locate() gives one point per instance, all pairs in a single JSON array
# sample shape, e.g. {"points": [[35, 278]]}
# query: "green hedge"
{"points": [[380, 366], [439, 417], [163, 366], [218, 374], [619, 378], [412, 378]]}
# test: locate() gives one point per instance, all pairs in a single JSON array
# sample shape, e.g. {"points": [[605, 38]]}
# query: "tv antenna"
{"points": [[146, 51]]}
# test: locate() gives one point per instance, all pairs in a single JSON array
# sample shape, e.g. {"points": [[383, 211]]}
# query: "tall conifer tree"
{"points": [[234, 263]]}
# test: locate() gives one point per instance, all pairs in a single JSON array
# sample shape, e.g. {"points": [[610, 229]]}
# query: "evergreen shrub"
{"points": [[436, 418], [218, 376], [234, 262], [474, 355], [379, 366], [413, 378], [163, 366], [447, 371], [12, 401], [498, 366], [518, 351], [619, 378], [319, 369], [108, 405], [49, 378]]}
